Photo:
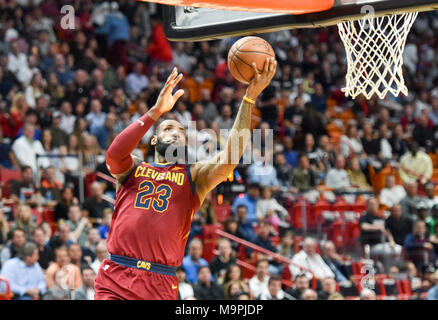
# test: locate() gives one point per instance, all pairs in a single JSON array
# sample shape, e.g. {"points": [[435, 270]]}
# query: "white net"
{"points": [[374, 48]]}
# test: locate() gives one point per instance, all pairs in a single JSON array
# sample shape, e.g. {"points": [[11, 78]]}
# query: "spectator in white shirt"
{"points": [[274, 291], [309, 259], [392, 194], [337, 178], [86, 292], [258, 284], [26, 148], [34, 90], [136, 80], [101, 254], [185, 289], [269, 208], [68, 119], [17, 61], [350, 142]]}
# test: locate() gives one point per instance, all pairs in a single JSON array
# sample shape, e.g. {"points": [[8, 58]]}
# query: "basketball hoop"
{"points": [[374, 48]]}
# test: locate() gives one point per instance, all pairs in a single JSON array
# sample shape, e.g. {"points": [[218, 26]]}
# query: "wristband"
{"points": [[248, 100]]}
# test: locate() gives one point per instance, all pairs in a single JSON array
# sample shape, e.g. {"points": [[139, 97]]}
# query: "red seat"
{"points": [[6, 294], [49, 215], [275, 240], [89, 179], [209, 239], [38, 216], [6, 176], [300, 214], [359, 206], [357, 267], [335, 233], [297, 243], [222, 211], [286, 275], [351, 228], [340, 205], [316, 212]]}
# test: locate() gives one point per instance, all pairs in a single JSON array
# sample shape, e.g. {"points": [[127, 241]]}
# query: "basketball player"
{"points": [[155, 202]]}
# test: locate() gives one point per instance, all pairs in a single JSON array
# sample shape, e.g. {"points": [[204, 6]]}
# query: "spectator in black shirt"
{"points": [[301, 284], [369, 143], [334, 261], [422, 133], [373, 233], [262, 240], [399, 226], [223, 261], [45, 253], [67, 199], [205, 289], [95, 206], [24, 190], [328, 289], [398, 143]]}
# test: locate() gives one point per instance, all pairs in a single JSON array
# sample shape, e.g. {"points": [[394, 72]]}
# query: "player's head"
{"points": [[170, 139]]}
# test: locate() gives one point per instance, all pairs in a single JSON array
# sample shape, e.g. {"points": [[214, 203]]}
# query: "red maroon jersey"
{"points": [[152, 214]]}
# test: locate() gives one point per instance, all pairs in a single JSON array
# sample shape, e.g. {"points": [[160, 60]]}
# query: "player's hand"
{"points": [[166, 100], [261, 80]]}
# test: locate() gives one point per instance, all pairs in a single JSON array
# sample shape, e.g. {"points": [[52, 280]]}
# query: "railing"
{"points": [[257, 248]]}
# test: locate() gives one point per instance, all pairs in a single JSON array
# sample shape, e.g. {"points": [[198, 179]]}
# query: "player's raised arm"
{"points": [[118, 157], [208, 174]]}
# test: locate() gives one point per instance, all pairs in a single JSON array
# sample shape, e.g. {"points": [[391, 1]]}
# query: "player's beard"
{"points": [[177, 153]]}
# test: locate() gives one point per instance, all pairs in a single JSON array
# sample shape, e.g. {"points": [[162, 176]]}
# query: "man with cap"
{"points": [[422, 211], [24, 274], [59, 136]]}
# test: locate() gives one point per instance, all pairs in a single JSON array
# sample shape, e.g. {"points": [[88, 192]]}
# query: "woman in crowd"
{"points": [[34, 90], [91, 153], [67, 199]]}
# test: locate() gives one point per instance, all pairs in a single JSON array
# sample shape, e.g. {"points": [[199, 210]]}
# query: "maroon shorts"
{"points": [[117, 282]]}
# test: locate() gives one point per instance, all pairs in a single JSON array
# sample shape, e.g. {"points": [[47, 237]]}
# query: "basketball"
{"points": [[244, 52]]}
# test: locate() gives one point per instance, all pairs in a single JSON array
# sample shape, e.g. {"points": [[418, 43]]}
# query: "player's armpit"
{"points": [[208, 174]]}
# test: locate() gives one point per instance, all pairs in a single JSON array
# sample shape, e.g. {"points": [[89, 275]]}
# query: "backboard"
{"points": [[196, 24]]}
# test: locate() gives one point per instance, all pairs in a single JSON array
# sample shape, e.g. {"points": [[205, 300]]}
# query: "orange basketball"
{"points": [[244, 52]]}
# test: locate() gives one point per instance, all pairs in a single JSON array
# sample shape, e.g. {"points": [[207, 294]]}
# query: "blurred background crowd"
{"points": [[346, 192]]}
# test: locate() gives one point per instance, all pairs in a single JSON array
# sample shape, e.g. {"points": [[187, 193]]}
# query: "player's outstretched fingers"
{"points": [[254, 70], [178, 94], [266, 66], [174, 82], [172, 75], [272, 67]]}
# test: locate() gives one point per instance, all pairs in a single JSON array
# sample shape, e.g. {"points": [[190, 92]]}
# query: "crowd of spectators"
{"points": [[65, 94]]}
